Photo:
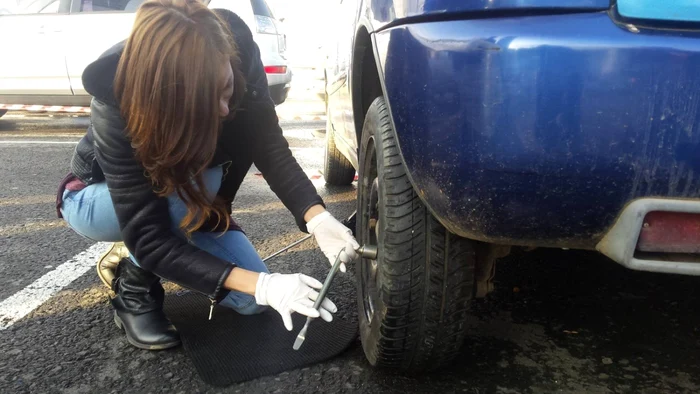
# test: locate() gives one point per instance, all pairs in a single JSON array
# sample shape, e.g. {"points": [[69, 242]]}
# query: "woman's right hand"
{"points": [[288, 293]]}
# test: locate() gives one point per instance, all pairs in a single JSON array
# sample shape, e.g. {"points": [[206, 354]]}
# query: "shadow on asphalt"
{"points": [[558, 322], [576, 322], [42, 123], [8, 124]]}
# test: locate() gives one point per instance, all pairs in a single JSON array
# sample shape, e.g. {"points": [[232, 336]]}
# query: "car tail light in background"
{"points": [[275, 69], [265, 25], [670, 232]]}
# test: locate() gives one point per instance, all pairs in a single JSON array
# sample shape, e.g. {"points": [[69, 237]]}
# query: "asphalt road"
{"points": [[559, 321]]}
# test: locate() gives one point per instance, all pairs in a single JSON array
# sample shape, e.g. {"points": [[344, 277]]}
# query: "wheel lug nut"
{"points": [[372, 224]]}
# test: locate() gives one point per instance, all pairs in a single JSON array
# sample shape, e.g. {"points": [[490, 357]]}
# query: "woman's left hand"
{"points": [[332, 236]]}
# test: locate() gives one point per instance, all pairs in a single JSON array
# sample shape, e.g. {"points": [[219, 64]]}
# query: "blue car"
{"points": [[476, 126]]}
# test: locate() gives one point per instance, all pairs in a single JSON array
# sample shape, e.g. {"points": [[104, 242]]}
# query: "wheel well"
{"points": [[365, 79]]}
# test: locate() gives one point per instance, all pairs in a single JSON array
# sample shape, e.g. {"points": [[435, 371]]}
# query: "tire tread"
{"points": [[337, 169], [427, 272]]}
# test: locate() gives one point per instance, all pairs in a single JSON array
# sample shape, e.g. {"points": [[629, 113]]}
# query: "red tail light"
{"points": [[670, 232], [276, 69]]}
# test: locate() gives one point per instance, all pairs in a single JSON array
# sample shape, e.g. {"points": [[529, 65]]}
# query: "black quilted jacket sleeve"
{"points": [[256, 126], [144, 218]]}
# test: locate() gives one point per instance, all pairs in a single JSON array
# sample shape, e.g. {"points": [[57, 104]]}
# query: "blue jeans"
{"points": [[90, 213]]}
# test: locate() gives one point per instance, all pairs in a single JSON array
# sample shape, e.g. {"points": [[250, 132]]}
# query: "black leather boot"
{"points": [[138, 308]]}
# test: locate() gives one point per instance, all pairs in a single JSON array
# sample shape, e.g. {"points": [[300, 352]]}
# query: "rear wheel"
{"points": [[413, 299], [337, 169]]}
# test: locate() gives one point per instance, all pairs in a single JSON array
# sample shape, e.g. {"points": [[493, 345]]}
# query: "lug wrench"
{"points": [[286, 248], [368, 252], [349, 223]]}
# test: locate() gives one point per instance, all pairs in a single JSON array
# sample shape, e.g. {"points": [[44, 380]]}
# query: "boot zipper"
{"points": [[211, 308]]}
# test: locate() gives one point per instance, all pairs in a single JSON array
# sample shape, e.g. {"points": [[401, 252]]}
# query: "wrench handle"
{"points": [[327, 284]]}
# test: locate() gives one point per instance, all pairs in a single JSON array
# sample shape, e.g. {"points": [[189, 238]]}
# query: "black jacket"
{"points": [[252, 136]]}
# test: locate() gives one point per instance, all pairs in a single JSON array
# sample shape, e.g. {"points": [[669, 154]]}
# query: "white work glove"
{"points": [[332, 236], [292, 293]]}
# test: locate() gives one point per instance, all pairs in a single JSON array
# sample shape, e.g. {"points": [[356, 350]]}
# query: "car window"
{"points": [[109, 5], [28, 7], [261, 8]]}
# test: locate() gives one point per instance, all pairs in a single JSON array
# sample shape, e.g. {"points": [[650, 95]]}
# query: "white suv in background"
{"points": [[272, 41], [46, 45]]}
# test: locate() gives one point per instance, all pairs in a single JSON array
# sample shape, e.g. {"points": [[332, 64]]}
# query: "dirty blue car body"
{"points": [[531, 122]]}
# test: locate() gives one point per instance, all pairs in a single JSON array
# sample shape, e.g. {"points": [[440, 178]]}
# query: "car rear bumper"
{"points": [[540, 130], [279, 84], [279, 93], [620, 243], [280, 78]]}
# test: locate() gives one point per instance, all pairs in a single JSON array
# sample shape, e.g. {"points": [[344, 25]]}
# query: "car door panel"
{"points": [[347, 20], [337, 68], [91, 34], [95, 26], [34, 60]]}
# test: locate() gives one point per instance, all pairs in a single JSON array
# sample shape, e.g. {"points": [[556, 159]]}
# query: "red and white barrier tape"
{"points": [[86, 110], [45, 108]]}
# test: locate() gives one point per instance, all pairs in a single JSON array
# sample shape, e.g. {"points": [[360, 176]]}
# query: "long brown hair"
{"points": [[167, 84]]}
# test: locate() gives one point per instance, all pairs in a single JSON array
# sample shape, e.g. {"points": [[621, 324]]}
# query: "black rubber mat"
{"points": [[232, 348]]}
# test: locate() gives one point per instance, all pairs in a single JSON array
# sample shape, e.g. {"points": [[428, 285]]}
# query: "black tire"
{"points": [[413, 311], [2, 112], [337, 169]]}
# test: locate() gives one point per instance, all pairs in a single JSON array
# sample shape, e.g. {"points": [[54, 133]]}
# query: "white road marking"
{"points": [[31, 297], [38, 142], [300, 134], [24, 228], [26, 200]]}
